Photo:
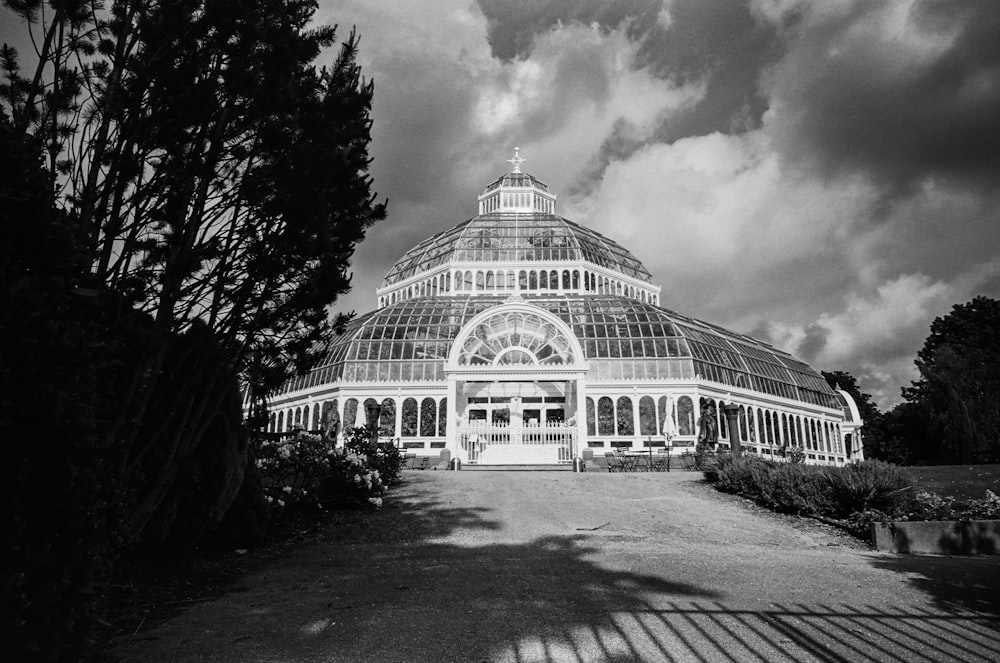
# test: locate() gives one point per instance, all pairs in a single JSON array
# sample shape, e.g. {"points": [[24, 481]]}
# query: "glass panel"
{"points": [[409, 422], [443, 418], [605, 416], [591, 422], [350, 413], [625, 421], [647, 416], [387, 419], [428, 417]]}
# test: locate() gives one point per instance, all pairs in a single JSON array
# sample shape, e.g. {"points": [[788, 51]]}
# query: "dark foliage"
{"points": [[59, 496], [208, 470], [959, 385]]}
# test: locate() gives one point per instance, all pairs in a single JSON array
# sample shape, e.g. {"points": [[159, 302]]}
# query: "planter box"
{"points": [[945, 537]]}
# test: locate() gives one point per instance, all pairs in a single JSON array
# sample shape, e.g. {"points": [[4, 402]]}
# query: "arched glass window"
{"points": [[281, 423], [480, 280], [685, 416], [723, 422], [409, 424], [516, 338], [751, 426], [743, 424], [298, 416], [532, 280], [626, 426], [591, 418], [387, 418], [565, 279], [661, 414], [543, 280], [315, 418], [443, 417], [350, 413], [576, 279], [428, 418], [647, 416], [605, 416], [764, 436], [522, 279], [784, 430], [553, 280]]}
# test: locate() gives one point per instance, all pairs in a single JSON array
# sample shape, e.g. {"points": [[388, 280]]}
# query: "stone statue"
{"points": [[708, 429]]}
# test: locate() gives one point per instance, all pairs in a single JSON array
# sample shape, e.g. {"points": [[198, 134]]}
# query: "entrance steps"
{"points": [[562, 467]]}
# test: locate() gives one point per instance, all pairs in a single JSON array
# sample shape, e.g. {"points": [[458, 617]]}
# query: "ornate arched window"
{"points": [[442, 423], [605, 416], [428, 418], [685, 416], [387, 418], [350, 412], [626, 426], [409, 424], [647, 416], [516, 338]]}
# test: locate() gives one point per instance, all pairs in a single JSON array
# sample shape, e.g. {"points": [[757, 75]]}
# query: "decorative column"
{"points": [[732, 412], [581, 414], [451, 424]]}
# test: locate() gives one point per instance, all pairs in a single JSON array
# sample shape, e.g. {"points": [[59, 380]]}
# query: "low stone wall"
{"points": [[946, 537]]}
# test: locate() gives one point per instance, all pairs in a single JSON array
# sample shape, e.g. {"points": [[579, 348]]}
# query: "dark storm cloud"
{"points": [[718, 43], [868, 105], [813, 343], [512, 25]]}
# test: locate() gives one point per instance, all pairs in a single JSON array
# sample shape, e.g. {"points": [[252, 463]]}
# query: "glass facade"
{"points": [[512, 238], [622, 339]]}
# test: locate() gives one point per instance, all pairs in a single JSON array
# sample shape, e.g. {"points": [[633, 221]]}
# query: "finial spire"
{"points": [[517, 160]]}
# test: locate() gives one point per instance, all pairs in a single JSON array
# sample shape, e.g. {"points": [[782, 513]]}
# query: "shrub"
{"points": [[872, 484], [293, 469], [383, 457], [987, 508], [304, 471], [831, 492]]}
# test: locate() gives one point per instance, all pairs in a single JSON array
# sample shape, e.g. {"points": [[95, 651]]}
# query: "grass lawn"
{"points": [[963, 482]]}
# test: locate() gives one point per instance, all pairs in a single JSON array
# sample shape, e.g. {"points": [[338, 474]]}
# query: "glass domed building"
{"points": [[521, 337]]}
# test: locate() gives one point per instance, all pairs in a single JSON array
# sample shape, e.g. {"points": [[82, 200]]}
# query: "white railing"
{"points": [[501, 443]]}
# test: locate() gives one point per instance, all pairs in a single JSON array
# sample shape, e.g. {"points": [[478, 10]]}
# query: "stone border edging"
{"points": [[943, 537]]}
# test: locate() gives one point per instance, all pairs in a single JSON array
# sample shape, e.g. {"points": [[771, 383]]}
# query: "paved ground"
{"points": [[547, 567]]}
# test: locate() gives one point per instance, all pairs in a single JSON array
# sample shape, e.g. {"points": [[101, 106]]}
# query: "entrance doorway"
{"points": [[516, 423]]}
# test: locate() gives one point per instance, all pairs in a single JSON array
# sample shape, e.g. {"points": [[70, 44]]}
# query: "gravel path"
{"points": [[554, 566]]}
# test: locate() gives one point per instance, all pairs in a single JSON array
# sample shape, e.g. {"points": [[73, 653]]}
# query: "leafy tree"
{"points": [[959, 385], [870, 415], [212, 173]]}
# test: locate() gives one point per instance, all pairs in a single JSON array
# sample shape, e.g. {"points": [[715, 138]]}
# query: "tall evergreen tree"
{"points": [[212, 173]]}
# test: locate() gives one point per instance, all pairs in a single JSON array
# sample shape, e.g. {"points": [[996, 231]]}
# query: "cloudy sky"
{"points": [[821, 175]]}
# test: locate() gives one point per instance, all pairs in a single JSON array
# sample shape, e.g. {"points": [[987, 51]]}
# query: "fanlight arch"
{"points": [[516, 338]]}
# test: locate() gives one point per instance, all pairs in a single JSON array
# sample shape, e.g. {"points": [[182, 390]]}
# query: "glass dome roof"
{"points": [[514, 239], [622, 339]]}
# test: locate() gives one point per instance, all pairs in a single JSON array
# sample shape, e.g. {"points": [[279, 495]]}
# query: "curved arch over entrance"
{"points": [[516, 382]]}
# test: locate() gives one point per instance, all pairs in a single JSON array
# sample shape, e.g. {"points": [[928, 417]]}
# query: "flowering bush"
{"points": [[352, 478], [293, 469], [383, 457], [303, 470], [931, 506]]}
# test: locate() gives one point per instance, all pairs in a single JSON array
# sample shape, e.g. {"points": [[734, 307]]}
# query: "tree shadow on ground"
{"points": [[954, 582], [444, 590]]}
